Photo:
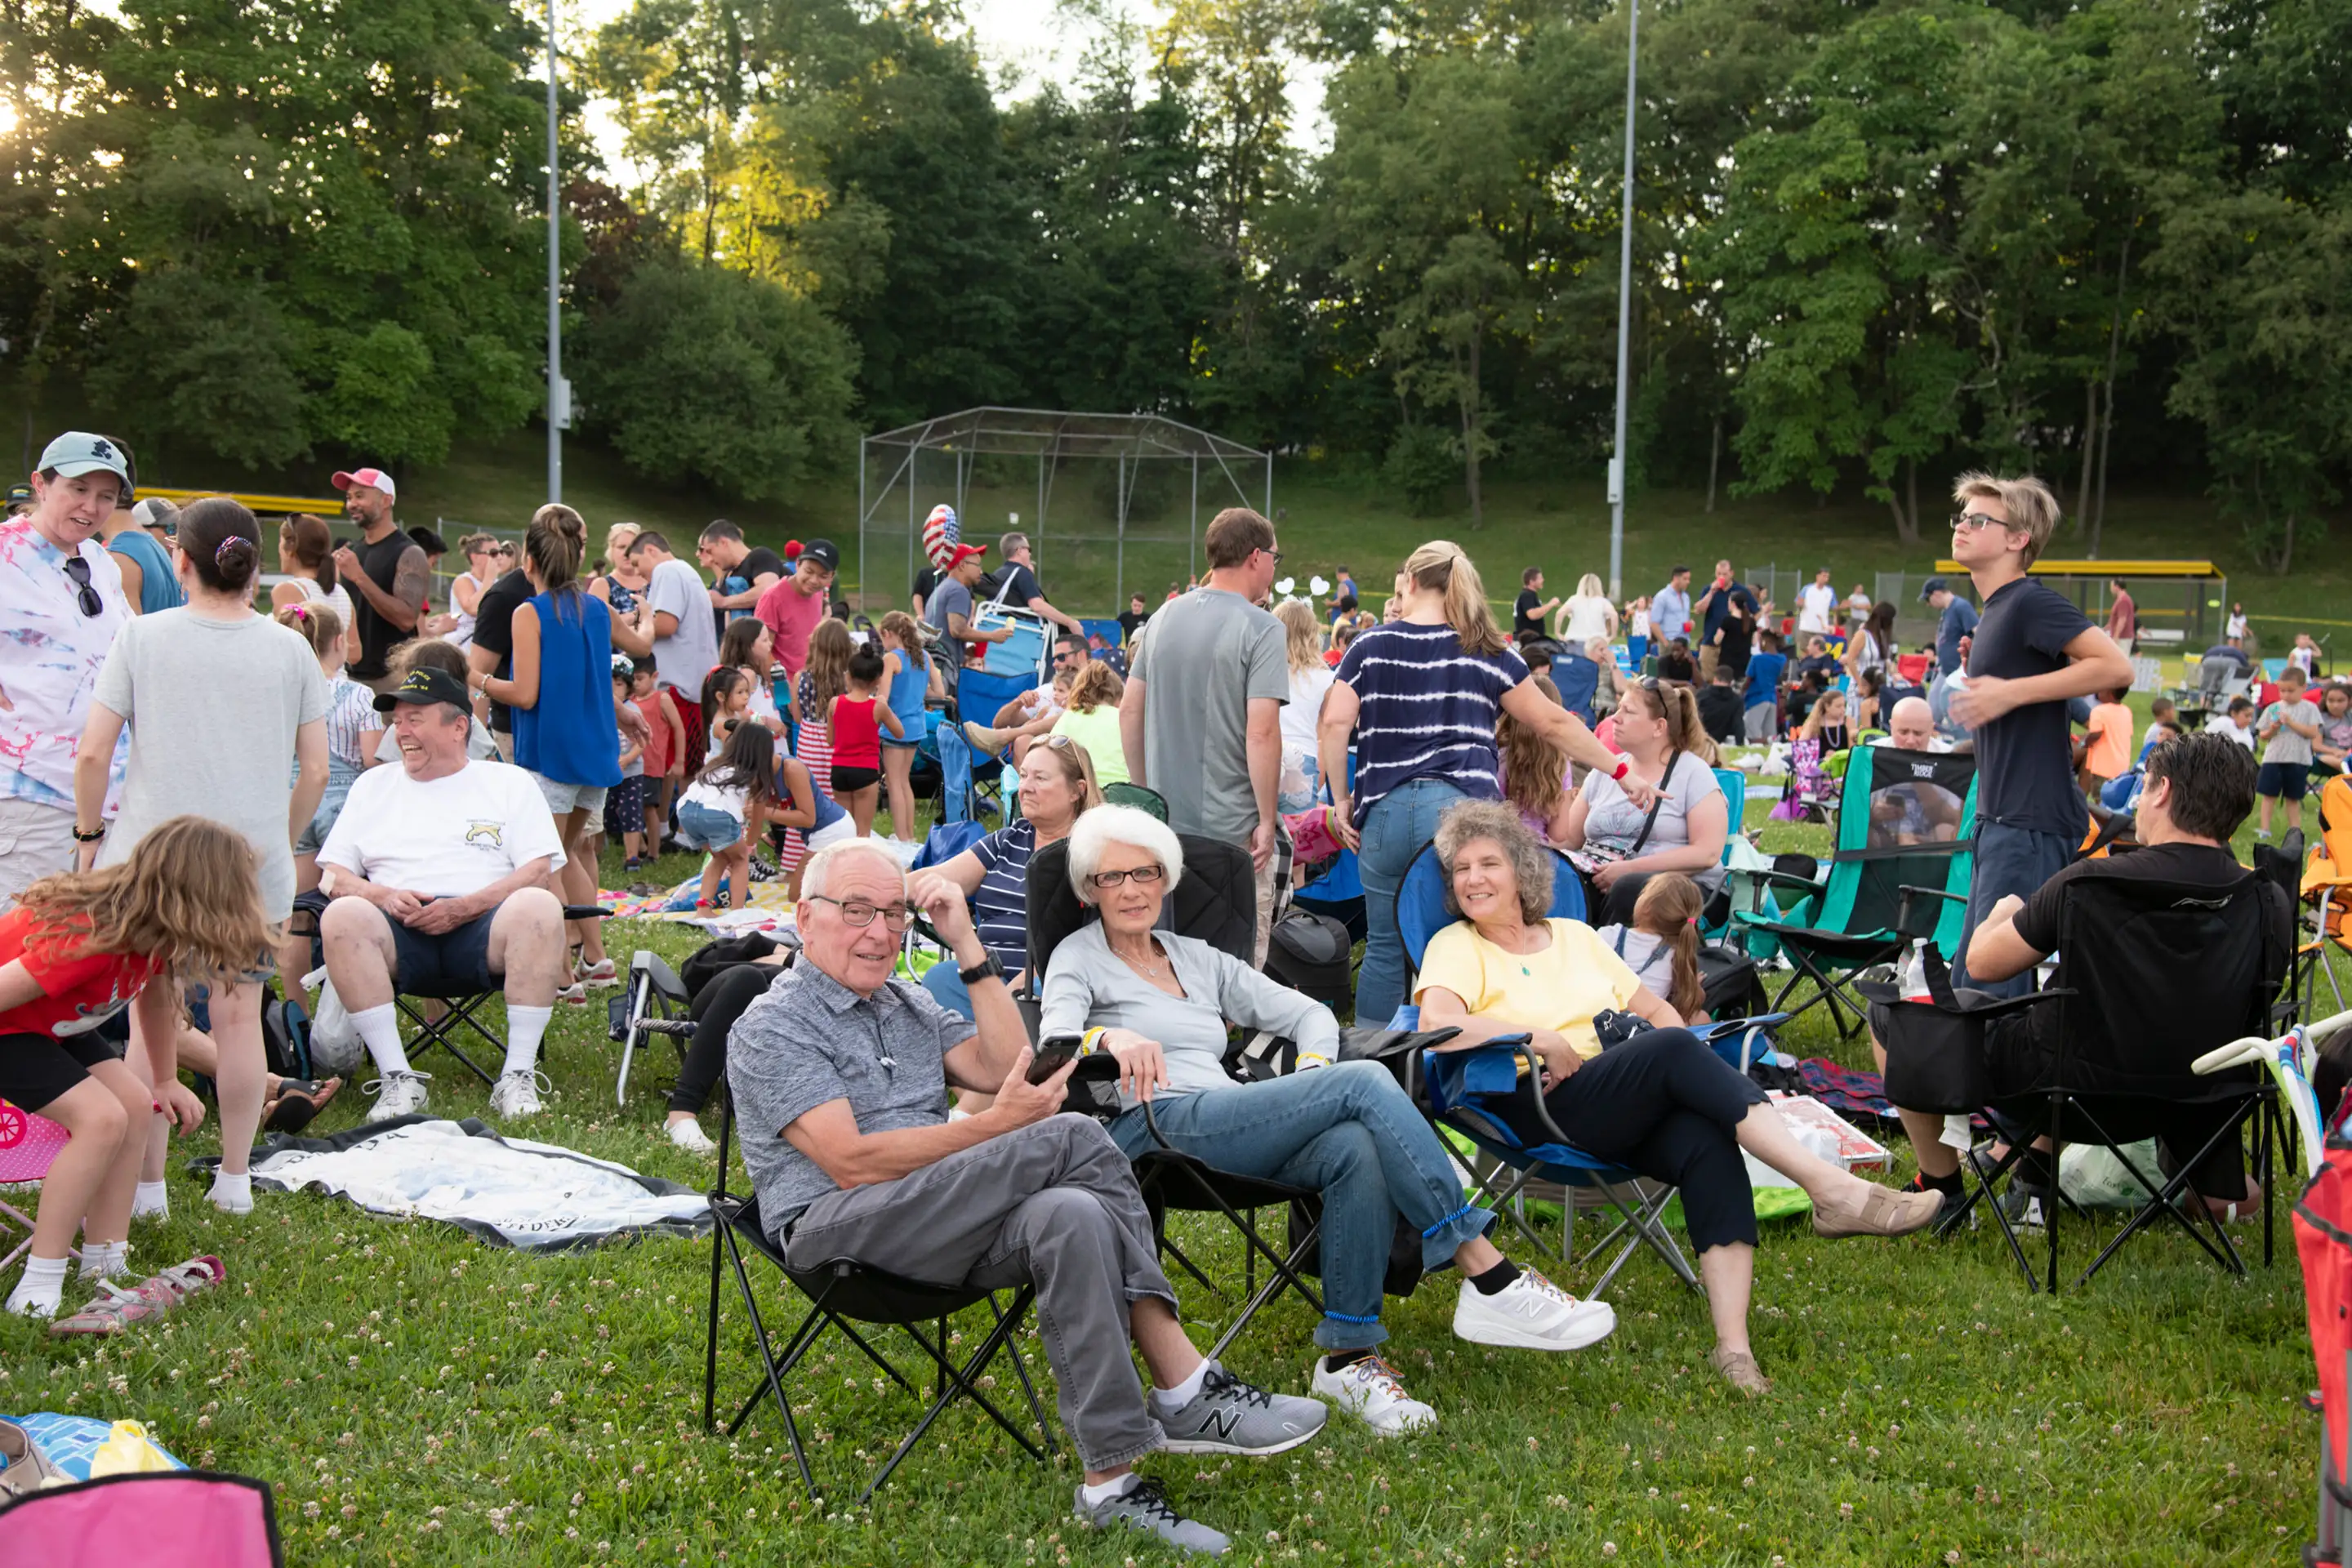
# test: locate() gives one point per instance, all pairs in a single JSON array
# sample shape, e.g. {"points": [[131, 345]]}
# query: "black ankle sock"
{"points": [[1496, 1280], [1950, 1184], [1340, 1360], [2034, 1169]]}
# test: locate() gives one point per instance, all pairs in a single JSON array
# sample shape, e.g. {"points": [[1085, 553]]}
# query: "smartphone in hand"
{"points": [[1053, 1055]]}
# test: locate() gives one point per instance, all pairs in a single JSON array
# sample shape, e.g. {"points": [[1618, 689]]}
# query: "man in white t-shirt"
{"points": [[1817, 603], [439, 869]]}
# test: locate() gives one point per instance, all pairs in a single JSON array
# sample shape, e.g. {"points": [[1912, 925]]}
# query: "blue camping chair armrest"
{"points": [[1493, 1070]]}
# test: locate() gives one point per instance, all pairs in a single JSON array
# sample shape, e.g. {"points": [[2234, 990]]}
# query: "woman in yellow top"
{"points": [[1092, 720], [1662, 1104]]}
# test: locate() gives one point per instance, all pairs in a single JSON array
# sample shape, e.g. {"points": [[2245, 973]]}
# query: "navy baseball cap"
{"points": [[427, 686], [1932, 585], [79, 452]]}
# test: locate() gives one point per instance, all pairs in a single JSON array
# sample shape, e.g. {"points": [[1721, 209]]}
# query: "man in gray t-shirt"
{"points": [[840, 1075]]}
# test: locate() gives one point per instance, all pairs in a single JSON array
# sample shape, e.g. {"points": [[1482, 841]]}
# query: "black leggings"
{"points": [[715, 1007], [1663, 1104]]}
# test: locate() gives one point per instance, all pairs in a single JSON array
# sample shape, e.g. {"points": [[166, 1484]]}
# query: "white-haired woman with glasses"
{"points": [[1159, 1003], [1662, 1104]]}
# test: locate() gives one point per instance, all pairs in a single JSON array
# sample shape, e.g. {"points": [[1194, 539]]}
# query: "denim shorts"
{"points": [[701, 826], [330, 806]]}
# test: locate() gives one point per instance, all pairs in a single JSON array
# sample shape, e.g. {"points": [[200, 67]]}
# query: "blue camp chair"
{"points": [[1577, 677], [1457, 1085], [980, 693]]}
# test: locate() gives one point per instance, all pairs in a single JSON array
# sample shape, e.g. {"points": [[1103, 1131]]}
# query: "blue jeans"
{"points": [[1404, 820], [1349, 1132], [2007, 860], [944, 981], [701, 826]]}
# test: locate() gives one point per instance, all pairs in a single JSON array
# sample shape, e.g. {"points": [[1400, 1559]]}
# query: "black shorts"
{"points": [[2281, 781], [453, 962], [36, 1069], [847, 779]]}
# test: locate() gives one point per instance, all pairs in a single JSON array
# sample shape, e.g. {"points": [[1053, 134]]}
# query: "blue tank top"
{"points": [[159, 582], [827, 814], [909, 679], [572, 736]]}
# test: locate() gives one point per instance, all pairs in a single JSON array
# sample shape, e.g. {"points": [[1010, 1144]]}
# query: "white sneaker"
{"points": [[396, 1094], [688, 1135], [1531, 1313], [1372, 1390], [516, 1096]]}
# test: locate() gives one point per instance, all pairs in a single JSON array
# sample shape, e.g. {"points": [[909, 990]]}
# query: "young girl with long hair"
{"points": [[1535, 771], [1660, 943], [1310, 677], [305, 556], [722, 811], [218, 702], [749, 646], [914, 679], [182, 907], [857, 718], [725, 703], [824, 676]]}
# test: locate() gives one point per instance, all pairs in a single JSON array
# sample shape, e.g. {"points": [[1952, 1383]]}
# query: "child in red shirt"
{"points": [[76, 952], [856, 720]]}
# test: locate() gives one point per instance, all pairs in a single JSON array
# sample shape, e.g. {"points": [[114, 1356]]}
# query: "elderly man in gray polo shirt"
{"points": [[840, 1075]]}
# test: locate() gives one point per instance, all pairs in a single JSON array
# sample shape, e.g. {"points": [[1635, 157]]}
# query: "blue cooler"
{"points": [[1023, 653]]}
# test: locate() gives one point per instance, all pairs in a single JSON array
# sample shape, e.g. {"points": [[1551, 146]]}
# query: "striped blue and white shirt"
{"points": [[1428, 709]]}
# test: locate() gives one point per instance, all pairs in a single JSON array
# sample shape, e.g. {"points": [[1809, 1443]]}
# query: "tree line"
{"points": [[1872, 242]]}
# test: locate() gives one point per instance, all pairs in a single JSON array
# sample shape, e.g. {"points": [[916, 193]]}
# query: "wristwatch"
{"points": [[982, 971]]}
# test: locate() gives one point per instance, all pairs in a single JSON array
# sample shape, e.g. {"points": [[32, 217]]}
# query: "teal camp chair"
{"points": [[1900, 872], [1734, 785]]}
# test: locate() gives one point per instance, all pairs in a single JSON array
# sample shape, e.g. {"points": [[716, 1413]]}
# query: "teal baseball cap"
{"points": [[79, 452]]}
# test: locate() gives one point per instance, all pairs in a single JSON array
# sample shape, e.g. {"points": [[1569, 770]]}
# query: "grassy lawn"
{"points": [[418, 1396]]}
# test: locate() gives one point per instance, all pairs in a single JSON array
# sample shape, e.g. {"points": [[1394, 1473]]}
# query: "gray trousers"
{"points": [[1055, 1205]]}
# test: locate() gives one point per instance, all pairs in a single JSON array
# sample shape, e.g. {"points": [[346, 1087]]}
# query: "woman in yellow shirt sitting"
{"points": [[1092, 720], [1662, 1104]]}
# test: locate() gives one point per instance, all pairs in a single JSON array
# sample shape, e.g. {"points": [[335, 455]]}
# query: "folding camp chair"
{"points": [[652, 1004], [980, 694], [1137, 796], [2327, 896], [1453, 1084], [29, 1145], [1906, 828], [844, 1295], [2152, 976], [1215, 902], [461, 1005]]}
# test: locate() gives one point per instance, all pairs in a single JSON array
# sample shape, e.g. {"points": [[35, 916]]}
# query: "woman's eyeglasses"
{"points": [[1144, 877], [92, 607], [860, 913]]}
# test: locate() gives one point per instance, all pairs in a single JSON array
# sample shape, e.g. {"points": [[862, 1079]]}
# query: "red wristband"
{"points": [[1624, 766]]}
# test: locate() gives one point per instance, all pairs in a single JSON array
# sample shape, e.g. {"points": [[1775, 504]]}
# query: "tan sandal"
{"points": [[26, 1469], [1882, 1212], [1739, 1370]]}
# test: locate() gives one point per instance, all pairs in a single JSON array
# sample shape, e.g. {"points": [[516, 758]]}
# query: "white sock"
{"points": [[1095, 1495], [104, 1259], [1168, 1401], [233, 1194], [525, 1026], [379, 1029], [42, 1288], [151, 1200]]}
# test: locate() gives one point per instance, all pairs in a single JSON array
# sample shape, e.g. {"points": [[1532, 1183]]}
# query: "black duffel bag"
{"points": [[1312, 954], [1935, 1048]]}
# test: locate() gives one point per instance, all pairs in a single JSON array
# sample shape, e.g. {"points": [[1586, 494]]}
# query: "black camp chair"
{"points": [[1216, 902], [2151, 975], [845, 1295], [461, 1003]]}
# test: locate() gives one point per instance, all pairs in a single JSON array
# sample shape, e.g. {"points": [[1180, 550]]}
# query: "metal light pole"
{"points": [[559, 391], [1624, 317]]}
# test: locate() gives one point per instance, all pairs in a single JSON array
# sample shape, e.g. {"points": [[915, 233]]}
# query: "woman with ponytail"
{"points": [[305, 556], [218, 701], [1624, 842], [1422, 695]]}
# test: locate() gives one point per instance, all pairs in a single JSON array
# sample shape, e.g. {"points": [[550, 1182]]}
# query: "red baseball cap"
{"points": [[962, 553], [375, 478]]}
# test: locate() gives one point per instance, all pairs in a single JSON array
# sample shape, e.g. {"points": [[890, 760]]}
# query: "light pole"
{"points": [[559, 391], [1624, 317]]}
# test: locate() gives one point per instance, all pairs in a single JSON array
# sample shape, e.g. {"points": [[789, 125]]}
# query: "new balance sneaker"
{"points": [[1144, 1506], [1531, 1313], [516, 1096], [1229, 1416], [396, 1094], [1372, 1391]]}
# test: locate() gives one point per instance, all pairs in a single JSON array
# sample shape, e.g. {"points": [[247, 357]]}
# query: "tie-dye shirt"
{"points": [[49, 657]]}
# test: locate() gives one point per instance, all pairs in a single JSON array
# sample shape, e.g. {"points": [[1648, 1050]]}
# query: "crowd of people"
{"points": [[436, 785]]}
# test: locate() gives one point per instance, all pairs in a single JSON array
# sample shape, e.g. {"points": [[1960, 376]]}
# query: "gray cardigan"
{"points": [[1090, 986]]}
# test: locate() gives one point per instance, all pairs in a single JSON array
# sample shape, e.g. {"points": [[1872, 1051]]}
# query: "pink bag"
{"points": [[175, 1519], [1311, 837]]}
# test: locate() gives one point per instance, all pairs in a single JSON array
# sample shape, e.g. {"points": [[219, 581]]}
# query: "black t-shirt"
{"points": [[381, 562], [926, 581], [1025, 585], [1739, 639], [1129, 621], [1673, 665], [2201, 865], [1525, 622], [1722, 711], [757, 562], [494, 629], [2025, 774], [1719, 606]]}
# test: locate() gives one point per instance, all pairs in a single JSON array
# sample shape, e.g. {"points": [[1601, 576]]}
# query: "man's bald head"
{"points": [[1911, 725]]}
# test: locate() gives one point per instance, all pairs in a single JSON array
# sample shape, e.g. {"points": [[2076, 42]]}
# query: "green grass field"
{"points": [[416, 1396]]}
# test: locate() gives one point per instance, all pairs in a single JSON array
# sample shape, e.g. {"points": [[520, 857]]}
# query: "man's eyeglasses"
{"points": [[860, 913], [1976, 521], [1143, 876], [92, 607], [1270, 552]]}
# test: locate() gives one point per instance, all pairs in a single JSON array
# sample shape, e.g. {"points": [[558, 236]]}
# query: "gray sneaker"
{"points": [[396, 1094], [1145, 1507], [1229, 1416]]}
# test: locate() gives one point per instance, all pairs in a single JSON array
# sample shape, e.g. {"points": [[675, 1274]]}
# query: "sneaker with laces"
{"points": [[1144, 1506], [516, 1095], [688, 1135], [2024, 1206], [396, 1094], [1372, 1391], [596, 976], [1531, 1313], [1230, 1416]]}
